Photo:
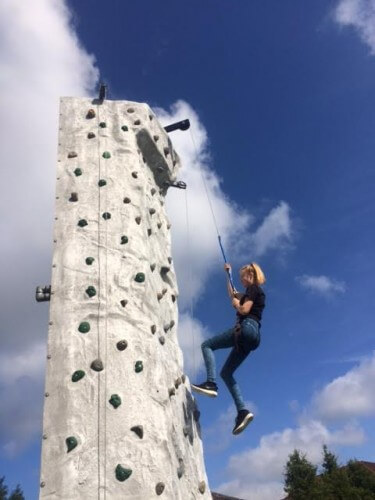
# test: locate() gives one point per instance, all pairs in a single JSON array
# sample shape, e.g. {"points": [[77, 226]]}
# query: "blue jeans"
{"points": [[248, 341]]}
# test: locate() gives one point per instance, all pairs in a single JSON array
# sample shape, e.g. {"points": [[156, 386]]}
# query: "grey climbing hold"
{"points": [[77, 172], [162, 340], [178, 382], [159, 296], [73, 197], [90, 114], [153, 191], [166, 151], [138, 367], [124, 240], [164, 291], [149, 232], [159, 488], [202, 487], [166, 328], [122, 474], [173, 298], [77, 375], [102, 124], [106, 215], [183, 378], [84, 327], [138, 429], [44, 436], [123, 303], [102, 182], [138, 220], [97, 365], [170, 260], [91, 292], [72, 154], [171, 391], [152, 211], [152, 267], [165, 269], [122, 345], [169, 225], [130, 110], [82, 223], [156, 138], [139, 277], [90, 135], [159, 225], [42, 484], [89, 260], [115, 401], [124, 128], [46, 394], [153, 329], [71, 443], [135, 175], [180, 468], [106, 155], [127, 200], [137, 122], [185, 430], [171, 324]]}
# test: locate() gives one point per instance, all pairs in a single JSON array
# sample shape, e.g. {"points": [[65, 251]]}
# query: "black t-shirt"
{"points": [[257, 296]]}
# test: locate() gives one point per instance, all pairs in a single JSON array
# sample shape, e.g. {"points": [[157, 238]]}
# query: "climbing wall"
{"points": [[119, 418]]}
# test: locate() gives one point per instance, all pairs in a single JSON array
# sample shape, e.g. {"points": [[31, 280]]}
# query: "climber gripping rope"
{"points": [[243, 338]]}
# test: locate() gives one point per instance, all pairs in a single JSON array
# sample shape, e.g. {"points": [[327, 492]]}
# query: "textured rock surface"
{"points": [[150, 444]]}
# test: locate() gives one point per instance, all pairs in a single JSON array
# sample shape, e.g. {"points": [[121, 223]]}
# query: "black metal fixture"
{"points": [[182, 125], [179, 184]]}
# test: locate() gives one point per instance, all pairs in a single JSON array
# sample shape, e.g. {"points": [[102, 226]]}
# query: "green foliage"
{"points": [[329, 461], [16, 494], [300, 477], [3, 489]]}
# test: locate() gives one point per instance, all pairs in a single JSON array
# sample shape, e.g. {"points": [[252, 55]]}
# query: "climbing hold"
{"points": [[90, 135], [202, 487], [196, 414], [124, 240], [171, 324], [173, 298], [90, 113], [73, 197], [135, 175], [164, 269], [102, 182], [127, 200], [138, 366], [156, 138], [130, 110], [106, 155], [138, 220], [89, 260], [159, 296], [49, 356], [77, 172], [149, 232], [153, 329], [162, 340], [180, 469], [71, 443], [102, 124], [159, 225], [82, 223], [169, 226], [124, 128], [140, 277], [84, 327], [183, 378], [122, 474], [138, 429], [46, 394], [44, 436], [164, 291], [72, 154], [78, 375], [97, 365], [123, 303], [178, 382], [122, 345], [137, 122], [115, 401], [42, 484], [91, 292], [150, 117], [106, 215], [152, 267], [153, 191], [159, 488], [185, 430], [166, 151], [166, 328], [170, 260], [172, 391], [152, 211]]}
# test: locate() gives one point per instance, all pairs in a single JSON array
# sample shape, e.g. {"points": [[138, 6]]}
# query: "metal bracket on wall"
{"points": [[182, 125], [43, 294], [179, 184]]}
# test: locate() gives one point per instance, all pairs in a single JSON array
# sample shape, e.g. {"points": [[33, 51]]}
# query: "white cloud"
{"points": [[360, 15], [322, 285]]}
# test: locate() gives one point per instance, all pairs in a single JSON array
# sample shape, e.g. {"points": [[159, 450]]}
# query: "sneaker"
{"points": [[243, 419], [207, 388]]}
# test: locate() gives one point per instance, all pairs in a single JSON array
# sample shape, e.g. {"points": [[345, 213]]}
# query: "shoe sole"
{"points": [[244, 424], [206, 392]]}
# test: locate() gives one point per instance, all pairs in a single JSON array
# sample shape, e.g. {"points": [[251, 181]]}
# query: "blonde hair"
{"points": [[259, 277]]}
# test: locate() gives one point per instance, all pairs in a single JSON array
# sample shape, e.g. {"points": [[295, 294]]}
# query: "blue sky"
{"points": [[281, 98]]}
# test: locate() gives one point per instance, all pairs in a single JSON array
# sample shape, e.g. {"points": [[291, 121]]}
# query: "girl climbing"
{"points": [[244, 337]]}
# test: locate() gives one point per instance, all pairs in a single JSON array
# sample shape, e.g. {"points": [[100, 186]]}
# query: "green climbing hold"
{"points": [[124, 128], [78, 375], [91, 292], [102, 183], [106, 155], [139, 278], [124, 240], [106, 215], [115, 400], [78, 172], [102, 124], [82, 223], [89, 260], [138, 366], [71, 443], [84, 327], [122, 474]]}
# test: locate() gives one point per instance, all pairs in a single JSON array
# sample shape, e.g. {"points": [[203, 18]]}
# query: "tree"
{"points": [[361, 479], [17, 494], [300, 474], [3, 489], [329, 461]]}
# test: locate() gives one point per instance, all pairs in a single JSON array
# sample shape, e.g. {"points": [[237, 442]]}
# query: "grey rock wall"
{"points": [[119, 418]]}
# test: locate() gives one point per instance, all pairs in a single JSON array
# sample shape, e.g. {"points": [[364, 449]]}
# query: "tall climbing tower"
{"points": [[119, 419]]}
